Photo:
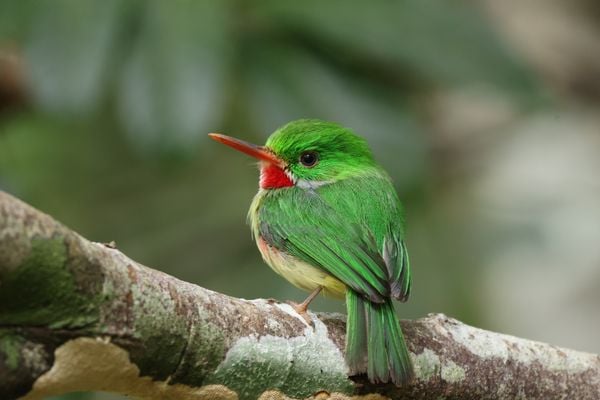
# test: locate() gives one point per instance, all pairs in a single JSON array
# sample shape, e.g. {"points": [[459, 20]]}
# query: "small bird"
{"points": [[327, 218]]}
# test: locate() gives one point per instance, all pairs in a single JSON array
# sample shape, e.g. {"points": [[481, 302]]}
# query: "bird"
{"points": [[328, 219]]}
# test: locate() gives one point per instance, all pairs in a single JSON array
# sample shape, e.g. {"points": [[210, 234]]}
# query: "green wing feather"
{"points": [[352, 229]]}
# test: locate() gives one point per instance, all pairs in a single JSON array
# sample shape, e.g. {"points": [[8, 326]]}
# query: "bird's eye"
{"points": [[309, 158]]}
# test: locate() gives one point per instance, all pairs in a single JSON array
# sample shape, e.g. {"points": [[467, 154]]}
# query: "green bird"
{"points": [[327, 218]]}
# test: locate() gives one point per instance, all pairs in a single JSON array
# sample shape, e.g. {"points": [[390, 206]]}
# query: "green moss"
{"points": [[10, 349], [164, 346], [204, 352], [161, 329], [43, 290]]}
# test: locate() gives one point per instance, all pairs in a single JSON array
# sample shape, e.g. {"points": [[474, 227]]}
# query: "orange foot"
{"points": [[302, 308]]}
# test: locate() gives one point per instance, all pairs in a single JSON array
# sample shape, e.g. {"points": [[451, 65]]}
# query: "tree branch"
{"points": [[77, 315]]}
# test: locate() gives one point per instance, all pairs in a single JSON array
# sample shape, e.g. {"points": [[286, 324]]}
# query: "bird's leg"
{"points": [[303, 307]]}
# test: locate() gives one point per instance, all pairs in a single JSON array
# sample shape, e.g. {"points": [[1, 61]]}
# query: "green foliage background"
{"points": [[111, 135]]}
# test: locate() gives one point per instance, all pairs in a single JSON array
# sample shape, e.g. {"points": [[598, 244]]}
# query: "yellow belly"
{"points": [[297, 272], [300, 273]]}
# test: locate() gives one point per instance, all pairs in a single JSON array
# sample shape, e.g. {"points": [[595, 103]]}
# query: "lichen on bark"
{"points": [[296, 365], [68, 305]]}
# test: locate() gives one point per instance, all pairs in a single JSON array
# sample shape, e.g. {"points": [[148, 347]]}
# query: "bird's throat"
{"points": [[273, 177]]}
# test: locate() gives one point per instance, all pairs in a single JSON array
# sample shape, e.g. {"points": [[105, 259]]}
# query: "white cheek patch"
{"points": [[311, 185]]}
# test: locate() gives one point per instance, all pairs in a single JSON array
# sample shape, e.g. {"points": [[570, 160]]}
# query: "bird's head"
{"points": [[306, 153]]}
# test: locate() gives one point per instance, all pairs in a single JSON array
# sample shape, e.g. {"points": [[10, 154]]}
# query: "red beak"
{"points": [[260, 152]]}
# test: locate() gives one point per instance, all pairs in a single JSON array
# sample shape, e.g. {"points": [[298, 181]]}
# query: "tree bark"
{"points": [[81, 316]]}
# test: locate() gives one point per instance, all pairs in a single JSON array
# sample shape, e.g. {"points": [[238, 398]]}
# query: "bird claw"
{"points": [[302, 310]]}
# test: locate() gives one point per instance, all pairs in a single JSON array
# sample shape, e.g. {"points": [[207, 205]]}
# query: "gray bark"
{"points": [[77, 315]]}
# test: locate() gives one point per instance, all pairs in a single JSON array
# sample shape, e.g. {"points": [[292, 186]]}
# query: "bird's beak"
{"points": [[260, 152]]}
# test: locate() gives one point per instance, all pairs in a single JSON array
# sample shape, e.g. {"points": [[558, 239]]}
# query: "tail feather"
{"points": [[400, 365], [378, 363], [374, 341], [356, 334]]}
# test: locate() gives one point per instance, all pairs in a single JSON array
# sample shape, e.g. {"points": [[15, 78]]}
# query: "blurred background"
{"points": [[485, 113]]}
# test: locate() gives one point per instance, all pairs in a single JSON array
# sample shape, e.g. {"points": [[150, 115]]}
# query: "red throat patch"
{"points": [[273, 177]]}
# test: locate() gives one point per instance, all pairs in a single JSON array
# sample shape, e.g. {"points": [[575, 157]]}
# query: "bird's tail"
{"points": [[374, 341]]}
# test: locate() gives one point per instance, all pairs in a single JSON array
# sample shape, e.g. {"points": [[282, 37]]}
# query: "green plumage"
{"points": [[348, 228], [352, 229], [340, 225]]}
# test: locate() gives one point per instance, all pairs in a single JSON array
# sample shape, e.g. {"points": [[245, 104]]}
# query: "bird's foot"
{"points": [[302, 310]]}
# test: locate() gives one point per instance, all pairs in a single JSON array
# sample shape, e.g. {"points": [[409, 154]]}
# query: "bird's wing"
{"points": [[397, 261], [354, 236]]}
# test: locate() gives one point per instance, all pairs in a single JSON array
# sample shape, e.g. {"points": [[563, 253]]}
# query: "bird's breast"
{"points": [[300, 273], [296, 271]]}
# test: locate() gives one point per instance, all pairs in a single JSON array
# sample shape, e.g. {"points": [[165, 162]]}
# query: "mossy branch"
{"points": [[77, 315]]}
